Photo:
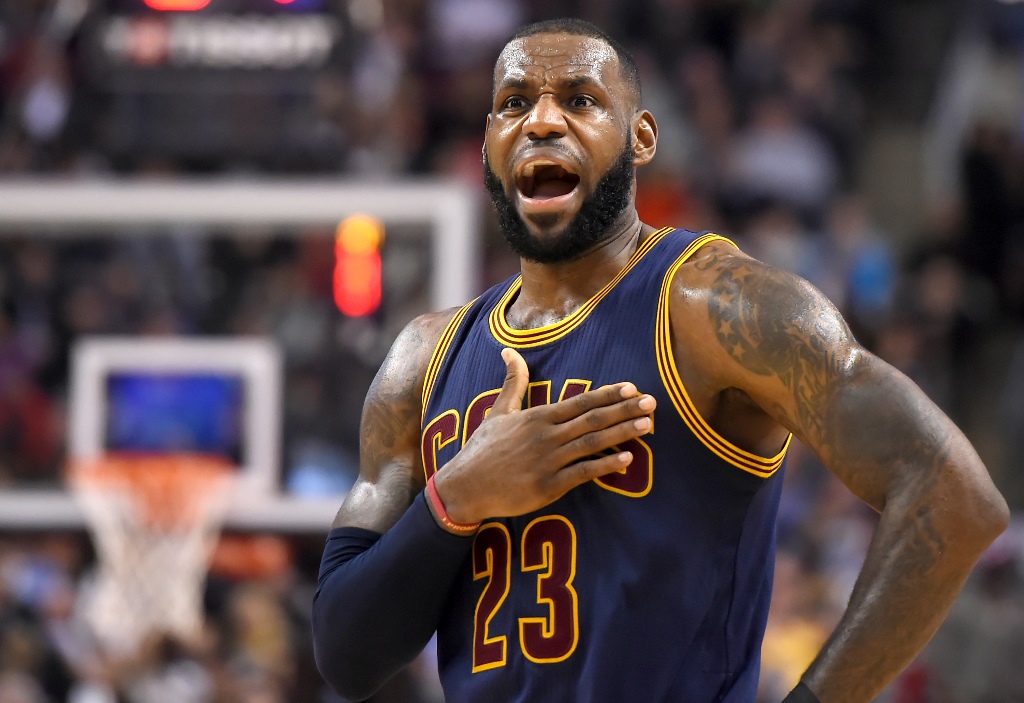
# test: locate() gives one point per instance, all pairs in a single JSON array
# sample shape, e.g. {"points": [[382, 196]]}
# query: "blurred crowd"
{"points": [[766, 112]]}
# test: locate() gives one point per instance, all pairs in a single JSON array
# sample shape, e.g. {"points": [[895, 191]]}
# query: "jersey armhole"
{"points": [[669, 372], [440, 351]]}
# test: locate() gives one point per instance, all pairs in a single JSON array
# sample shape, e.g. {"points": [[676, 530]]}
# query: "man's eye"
{"points": [[513, 103], [582, 101]]}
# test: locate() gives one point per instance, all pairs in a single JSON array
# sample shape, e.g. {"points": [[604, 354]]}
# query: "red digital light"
{"points": [[176, 5], [284, 2], [357, 266]]}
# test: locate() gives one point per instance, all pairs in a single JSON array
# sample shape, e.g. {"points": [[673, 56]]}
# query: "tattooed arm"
{"points": [[387, 567], [767, 351], [390, 469]]}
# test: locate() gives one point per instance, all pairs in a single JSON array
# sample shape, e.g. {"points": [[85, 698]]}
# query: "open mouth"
{"points": [[544, 180]]}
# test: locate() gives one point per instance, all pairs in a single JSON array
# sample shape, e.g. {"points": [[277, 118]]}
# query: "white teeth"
{"points": [[528, 171]]}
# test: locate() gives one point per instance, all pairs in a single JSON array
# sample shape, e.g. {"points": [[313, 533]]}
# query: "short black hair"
{"points": [[582, 28]]}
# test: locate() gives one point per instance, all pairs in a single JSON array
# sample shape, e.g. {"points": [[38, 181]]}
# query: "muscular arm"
{"points": [[390, 469], [776, 339], [379, 597]]}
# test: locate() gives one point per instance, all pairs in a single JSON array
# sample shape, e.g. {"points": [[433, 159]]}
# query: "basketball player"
{"points": [[521, 496]]}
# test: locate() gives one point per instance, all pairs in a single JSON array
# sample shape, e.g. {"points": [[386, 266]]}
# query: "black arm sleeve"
{"points": [[380, 597]]}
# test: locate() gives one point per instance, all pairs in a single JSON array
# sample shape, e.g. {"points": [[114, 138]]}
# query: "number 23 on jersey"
{"points": [[548, 549]]}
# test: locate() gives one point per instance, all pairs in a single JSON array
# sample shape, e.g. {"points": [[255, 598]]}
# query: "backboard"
{"points": [[235, 376]]}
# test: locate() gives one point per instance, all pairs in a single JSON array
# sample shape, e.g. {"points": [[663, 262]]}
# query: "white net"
{"points": [[154, 522]]}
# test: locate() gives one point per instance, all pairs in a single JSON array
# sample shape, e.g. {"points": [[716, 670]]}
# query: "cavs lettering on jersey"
{"points": [[651, 584]]}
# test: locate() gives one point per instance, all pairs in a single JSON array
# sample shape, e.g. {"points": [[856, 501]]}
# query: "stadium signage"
{"points": [[220, 41]]}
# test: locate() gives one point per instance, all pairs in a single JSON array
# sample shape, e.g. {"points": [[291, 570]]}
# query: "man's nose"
{"points": [[546, 119]]}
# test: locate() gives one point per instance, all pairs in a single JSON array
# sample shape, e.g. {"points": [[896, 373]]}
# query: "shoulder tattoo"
{"points": [[775, 324]]}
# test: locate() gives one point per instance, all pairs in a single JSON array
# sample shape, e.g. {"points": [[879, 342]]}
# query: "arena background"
{"points": [[253, 169]]}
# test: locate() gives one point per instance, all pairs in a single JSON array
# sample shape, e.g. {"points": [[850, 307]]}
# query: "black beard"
{"points": [[592, 224]]}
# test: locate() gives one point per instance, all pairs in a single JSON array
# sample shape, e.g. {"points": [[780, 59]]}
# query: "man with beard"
{"points": [[517, 496]]}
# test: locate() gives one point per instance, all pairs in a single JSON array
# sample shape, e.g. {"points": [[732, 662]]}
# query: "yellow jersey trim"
{"points": [[440, 351], [740, 458], [521, 339]]}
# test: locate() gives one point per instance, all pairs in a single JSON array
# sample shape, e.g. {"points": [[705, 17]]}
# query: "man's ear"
{"points": [[645, 138]]}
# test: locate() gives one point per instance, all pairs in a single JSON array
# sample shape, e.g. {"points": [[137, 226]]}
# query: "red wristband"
{"points": [[442, 514]]}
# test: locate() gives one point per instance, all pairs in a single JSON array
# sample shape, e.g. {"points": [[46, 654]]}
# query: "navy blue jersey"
{"points": [[652, 584]]}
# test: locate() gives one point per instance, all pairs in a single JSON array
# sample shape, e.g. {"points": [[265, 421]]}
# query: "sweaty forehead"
{"points": [[554, 56]]}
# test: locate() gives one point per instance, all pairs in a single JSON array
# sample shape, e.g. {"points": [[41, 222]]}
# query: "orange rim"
{"points": [[169, 490]]}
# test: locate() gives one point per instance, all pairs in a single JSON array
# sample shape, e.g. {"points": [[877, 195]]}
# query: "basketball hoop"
{"points": [[154, 522]]}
